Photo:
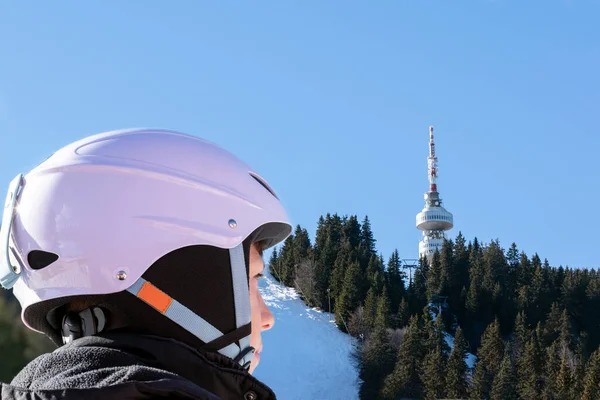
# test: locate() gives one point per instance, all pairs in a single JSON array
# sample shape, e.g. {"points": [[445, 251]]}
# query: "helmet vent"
{"points": [[39, 259], [264, 184]]}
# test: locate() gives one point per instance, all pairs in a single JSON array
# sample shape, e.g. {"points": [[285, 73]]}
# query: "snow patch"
{"points": [[470, 359], [305, 355]]}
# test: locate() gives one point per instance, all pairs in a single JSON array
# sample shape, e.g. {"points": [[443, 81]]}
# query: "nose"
{"points": [[266, 316]]}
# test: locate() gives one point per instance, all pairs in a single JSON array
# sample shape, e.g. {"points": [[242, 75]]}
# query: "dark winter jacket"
{"points": [[131, 366]]}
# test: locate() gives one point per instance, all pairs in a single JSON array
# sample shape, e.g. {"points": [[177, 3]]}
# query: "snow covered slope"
{"points": [[305, 356]]}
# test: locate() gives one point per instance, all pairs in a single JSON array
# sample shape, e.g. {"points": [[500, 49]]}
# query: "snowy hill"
{"points": [[305, 356]]}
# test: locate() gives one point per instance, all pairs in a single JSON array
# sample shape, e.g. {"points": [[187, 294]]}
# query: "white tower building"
{"points": [[434, 220]]}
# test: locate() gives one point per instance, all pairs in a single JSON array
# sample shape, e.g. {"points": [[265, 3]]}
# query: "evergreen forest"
{"points": [[534, 328]]}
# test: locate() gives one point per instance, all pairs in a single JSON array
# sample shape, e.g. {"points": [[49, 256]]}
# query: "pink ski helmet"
{"points": [[97, 214]]}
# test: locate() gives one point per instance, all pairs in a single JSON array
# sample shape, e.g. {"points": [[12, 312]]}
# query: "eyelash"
{"points": [[258, 276]]}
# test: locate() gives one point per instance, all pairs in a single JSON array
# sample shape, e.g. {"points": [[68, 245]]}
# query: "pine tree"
{"points": [[449, 280], [530, 368], [564, 384], [320, 237], [437, 340], [495, 272], [475, 253], [405, 379], [472, 301], [377, 361], [491, 351], [382, 317], [479, 388], [434, 279], [378, 282], [525, 272], [427, 330], [328, 243], [591, 322], [557, 279], [512, 256], [367, 239], [552, 325], [351, 231], [456, 379], [578, 376], [552, 370], [273, 265], [475, 302], [461, 270], [591, 386], [539, 298], [418, 290], [287, 264], [302, 246], [403, 314], [373, 268], [575, 300], [494, 266], [348, 299], [512, 260], [461, 259], [325, 262], [434, 372], [565, 338], [489, 359], [342, 261], [370, 309], [504, 386], [396, 289], [379, 276], [536, 262], [521, 333]]}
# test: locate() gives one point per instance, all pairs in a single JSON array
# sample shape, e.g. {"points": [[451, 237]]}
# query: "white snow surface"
{"points": [[305, 356]]}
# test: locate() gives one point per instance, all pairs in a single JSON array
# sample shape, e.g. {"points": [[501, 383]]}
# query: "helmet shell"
{"points": [[112, 204]]}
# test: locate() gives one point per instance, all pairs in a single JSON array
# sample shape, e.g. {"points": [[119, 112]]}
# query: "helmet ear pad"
{"points": [[84, 323]]}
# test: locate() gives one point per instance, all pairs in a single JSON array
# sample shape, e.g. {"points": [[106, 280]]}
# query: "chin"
{"points": [[254, 363], [252, 368]]}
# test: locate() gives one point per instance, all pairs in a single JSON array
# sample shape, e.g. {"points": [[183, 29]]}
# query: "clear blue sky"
{"points": [[331, 102]]}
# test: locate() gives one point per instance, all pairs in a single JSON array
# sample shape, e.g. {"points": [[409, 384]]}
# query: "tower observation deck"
{"points": [[434, 220]]}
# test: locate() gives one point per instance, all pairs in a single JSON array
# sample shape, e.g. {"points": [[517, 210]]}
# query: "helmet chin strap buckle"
{"points": [[244, 358]]}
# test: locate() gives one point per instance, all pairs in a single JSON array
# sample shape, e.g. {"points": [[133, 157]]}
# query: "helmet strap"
{"points": [[245, 357], [234, 344]]}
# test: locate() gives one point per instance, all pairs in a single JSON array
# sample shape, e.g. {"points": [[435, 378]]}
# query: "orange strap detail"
{"points": [[155, 297]]}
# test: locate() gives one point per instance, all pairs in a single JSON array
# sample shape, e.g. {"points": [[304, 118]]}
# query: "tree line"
{"points": [[534, 328]]}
